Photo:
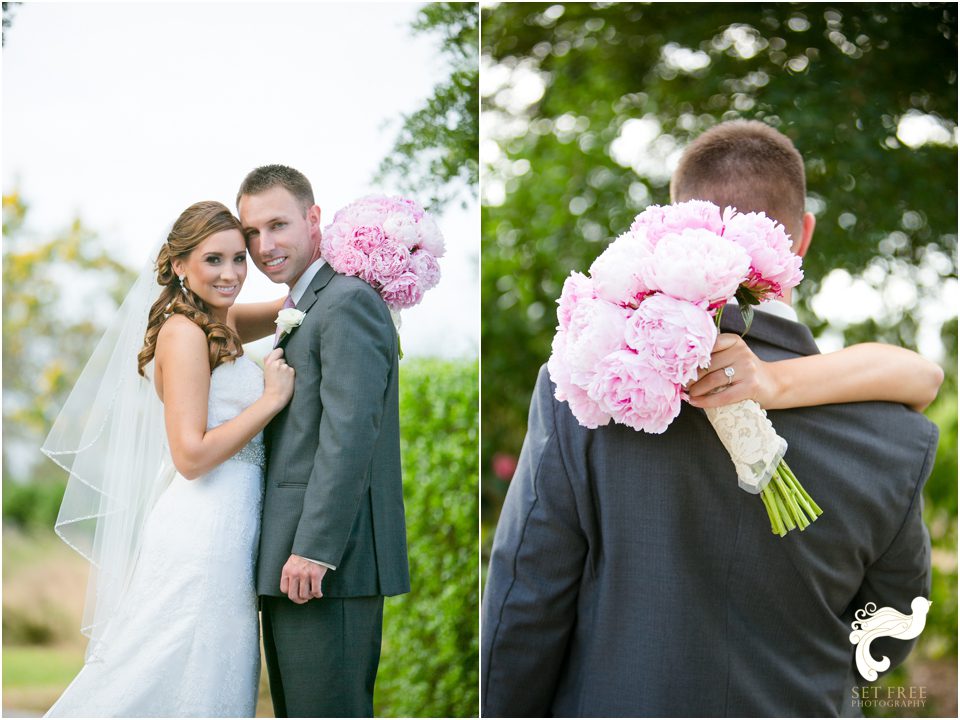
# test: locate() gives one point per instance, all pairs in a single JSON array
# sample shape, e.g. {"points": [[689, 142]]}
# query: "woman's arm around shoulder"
{"points": [[183, 371], [253, 321], [859, 373]]}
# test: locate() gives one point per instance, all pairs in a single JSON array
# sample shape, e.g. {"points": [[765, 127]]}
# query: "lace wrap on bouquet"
{"points": [[751, 441]]}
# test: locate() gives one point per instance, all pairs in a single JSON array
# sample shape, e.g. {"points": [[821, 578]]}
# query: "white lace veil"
{"points": [[110, 437]]}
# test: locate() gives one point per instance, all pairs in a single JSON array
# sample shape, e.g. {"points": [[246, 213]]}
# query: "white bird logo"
{"points": [[871, 624]]}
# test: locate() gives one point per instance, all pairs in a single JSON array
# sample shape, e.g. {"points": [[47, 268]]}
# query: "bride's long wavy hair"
{"points": [[195, 224]]}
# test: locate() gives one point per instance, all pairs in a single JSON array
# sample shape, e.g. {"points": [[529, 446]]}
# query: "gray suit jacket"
{"points": [[630, 576], [333, 487]]}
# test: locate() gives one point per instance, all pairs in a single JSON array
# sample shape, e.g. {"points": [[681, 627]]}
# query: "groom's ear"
{"points": [[313, 218], [808, 225]]}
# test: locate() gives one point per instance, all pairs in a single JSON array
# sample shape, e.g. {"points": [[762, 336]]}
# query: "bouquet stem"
{"points": [[788, 505], [757, 454]]}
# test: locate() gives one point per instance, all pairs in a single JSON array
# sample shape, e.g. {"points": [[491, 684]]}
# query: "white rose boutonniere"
{"points": [[288, 319]]}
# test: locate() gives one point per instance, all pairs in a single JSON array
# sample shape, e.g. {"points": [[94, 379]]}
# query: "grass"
{"points": [[34, 676], [44, 585], [39, 666]]}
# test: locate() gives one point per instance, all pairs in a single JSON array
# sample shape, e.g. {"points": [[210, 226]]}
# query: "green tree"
{"points": [[590, 103], [57, 295], [435, 153], [8, 12]]}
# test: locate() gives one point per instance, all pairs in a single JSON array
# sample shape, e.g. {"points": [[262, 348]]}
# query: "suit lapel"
{"points": [[319, 282]]}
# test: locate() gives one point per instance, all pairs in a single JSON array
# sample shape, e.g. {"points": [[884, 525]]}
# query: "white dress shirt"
{"points": [[779, 308], [300, 287]]}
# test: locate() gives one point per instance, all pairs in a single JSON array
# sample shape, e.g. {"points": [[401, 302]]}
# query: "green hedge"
{"points": [[429, 665], [33, 505]]}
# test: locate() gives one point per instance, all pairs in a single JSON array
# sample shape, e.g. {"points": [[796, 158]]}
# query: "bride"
{"points": [[171, 609]]}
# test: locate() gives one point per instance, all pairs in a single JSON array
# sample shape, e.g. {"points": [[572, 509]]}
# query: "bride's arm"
{"points": [[253, 321], [869, 371], [183, 367]]}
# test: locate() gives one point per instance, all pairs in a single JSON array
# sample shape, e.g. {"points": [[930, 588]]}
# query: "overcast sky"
{"points": [[125, 114]]}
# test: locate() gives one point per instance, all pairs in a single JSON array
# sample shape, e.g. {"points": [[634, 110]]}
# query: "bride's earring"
{"points": [[183, 284]]}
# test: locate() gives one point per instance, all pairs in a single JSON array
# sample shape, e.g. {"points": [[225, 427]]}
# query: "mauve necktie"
{"points": [[288, 303]]}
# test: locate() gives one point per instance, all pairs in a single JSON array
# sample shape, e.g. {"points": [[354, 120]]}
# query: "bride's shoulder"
{"points": [[180, 334]]}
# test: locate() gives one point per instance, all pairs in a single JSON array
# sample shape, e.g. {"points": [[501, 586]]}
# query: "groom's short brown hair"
{"points": [[748, 165], [270, 176]]}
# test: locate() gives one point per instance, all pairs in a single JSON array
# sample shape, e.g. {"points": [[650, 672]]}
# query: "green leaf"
{"points": [[746, 296], [746, 312]]}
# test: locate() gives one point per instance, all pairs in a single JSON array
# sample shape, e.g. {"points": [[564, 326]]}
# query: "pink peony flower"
{"points": [[633, 393], [657, 221], [773, 266], [676, 337], [402, 292], [389, 242], [426, 268], [575, 288], [430, 238], [698, 266], [411, 206], [367, 238], [596, 328], [350, 261], [639, 327], [334, 238], [387, 262], [619, 270], [585, 410], [401, 228]]}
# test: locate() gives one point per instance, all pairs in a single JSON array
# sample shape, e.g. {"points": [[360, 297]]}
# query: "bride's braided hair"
{"points": [[195, 224]]}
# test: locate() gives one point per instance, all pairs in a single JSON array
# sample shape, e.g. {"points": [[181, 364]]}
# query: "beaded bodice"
{"points": [[234, 386]]}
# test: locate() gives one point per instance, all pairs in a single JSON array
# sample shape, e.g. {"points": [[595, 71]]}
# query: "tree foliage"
{"points": [[9, 8], [52, 292], [435, 153], [590, 104]]}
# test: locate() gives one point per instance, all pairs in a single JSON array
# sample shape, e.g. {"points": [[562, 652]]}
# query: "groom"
{"points": [[630, 576], [333, 538]]}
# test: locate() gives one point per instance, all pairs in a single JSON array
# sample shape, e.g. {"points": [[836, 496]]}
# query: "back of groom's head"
{"points": [[267, 177], [748, 165]]}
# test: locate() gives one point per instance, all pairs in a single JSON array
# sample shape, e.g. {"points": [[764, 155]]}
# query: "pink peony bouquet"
{"points": [[389, 242], [635, 331]]}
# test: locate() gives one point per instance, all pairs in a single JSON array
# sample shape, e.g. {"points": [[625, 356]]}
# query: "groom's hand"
{"points": [[300, 579]]}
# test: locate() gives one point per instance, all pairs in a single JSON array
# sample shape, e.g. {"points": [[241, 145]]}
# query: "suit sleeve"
{"points": [[529, 606], [357, 339], [903, 571]]}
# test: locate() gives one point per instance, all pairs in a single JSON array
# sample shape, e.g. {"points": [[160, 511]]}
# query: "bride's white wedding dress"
{"points": [[185, 641]]}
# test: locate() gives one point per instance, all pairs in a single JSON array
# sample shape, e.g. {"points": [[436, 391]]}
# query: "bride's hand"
{"points": [[752, 378], [278, 378]]}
